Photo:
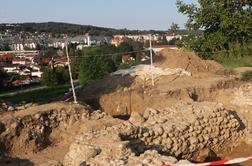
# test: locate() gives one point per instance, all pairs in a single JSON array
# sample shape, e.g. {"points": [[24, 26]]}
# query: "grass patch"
{"points": [[20, 89], [236, 62], [37, 95], [246, 76]]}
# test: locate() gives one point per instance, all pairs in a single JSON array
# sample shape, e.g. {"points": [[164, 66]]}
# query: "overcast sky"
{"points": [[131, 14]]}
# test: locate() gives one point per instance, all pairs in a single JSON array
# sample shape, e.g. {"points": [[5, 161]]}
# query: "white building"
{"points": [[18, 47], [170, 37], [11, 69], [36, 74]]}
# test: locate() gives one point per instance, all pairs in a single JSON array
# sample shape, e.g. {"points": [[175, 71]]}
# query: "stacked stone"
{"points": [[112, 147], [187, 128], [180, 131]]}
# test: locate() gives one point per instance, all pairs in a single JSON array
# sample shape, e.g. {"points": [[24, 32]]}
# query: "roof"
{"points": [[31, 55], [6, 56], [10, 65], [19, 59], [17, 82], [62, 59]]}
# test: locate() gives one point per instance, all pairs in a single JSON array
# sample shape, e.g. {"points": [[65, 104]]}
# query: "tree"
{"points": [[95, 64], [94, 67], [174, 28], [49, 77], [56, 76], [226, 26]]}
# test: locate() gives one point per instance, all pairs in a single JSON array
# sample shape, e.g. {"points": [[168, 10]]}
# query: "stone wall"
{"points": [[157, 136]]}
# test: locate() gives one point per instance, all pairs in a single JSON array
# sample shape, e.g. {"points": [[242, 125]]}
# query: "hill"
{"points": [[71, 29]]}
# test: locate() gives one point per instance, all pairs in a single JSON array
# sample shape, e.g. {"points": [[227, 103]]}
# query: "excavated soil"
{"points": [[202, 117], [186, 60]]}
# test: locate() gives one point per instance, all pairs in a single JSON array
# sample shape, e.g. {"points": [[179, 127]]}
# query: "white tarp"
{"points": [[145, 71]]}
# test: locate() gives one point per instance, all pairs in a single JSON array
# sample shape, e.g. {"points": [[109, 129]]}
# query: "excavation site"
{"points": [[183, 110]]}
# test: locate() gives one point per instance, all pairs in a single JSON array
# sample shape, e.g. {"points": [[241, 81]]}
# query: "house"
{"points": [[11, 68], [17, 83], [6, 57], [25, 72], [18, 47], [127, 58], [36, 73], [97, 40], [30, 57], [88, 40], [46, 60], [33, 58], [26, 81], [170, 37], [33, 67], [30, 45], [118, 39], [20, 61], [61, 62], [35, 79], [57, 43]]}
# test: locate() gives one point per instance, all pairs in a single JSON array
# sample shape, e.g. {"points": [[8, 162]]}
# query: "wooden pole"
{"points": [[70, 73], [151, 56]]}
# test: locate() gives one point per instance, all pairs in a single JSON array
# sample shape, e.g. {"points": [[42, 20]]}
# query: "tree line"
{"points": [[57, 28]]}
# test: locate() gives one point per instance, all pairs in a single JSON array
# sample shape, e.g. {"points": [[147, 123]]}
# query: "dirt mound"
{"points": [[185, 60]]}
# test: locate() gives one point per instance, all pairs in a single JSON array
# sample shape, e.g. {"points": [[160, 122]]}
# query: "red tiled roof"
{"points": [[19, 59], [46, 60], [16, 82], [28, 79], [62, 60], [6, 56]]}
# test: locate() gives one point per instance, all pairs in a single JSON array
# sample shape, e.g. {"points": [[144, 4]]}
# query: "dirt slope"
{"points": [[186, 60]]}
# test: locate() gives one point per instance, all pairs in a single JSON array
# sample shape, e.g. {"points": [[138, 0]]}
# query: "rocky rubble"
{"points": [[152, 137], [243, 97], [107, 147], [33, 131], [5, 107]]}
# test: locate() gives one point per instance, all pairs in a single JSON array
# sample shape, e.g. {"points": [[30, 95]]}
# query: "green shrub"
{"points": [[127, 65], [246, 76]]}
